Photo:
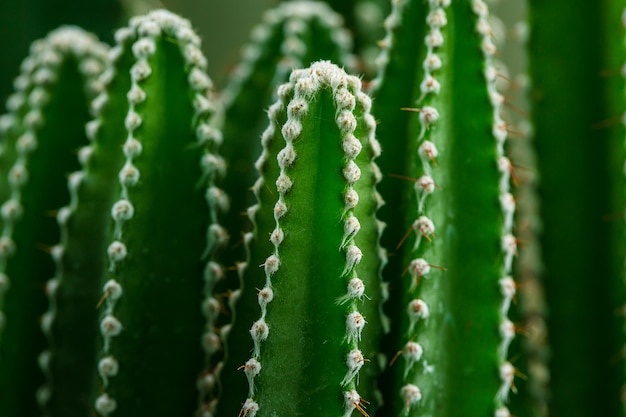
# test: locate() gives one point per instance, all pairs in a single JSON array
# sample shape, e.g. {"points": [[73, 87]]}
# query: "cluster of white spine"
{"points": [[294, 97], [39, 73], [142, 36], [296, 18], [507, 203]]}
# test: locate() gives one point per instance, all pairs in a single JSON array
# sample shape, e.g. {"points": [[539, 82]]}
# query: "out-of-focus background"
{"points": [[224, 26]]}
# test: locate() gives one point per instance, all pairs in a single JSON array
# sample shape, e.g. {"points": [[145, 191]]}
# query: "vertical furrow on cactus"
{"points": [[582, 238], [455, 249], [292, 35], [306, 338], [37, 157], [155, 256]]}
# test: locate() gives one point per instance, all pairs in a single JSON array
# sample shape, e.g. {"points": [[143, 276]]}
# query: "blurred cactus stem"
{"points": [[127, 281], [38, 141], [579, 103]]}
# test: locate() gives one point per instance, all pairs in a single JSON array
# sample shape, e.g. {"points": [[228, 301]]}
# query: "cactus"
{"points": [[293, 35], [320, 219], [377, 271], [583, 230], [453, 249], [37, 153], [110, 254]]}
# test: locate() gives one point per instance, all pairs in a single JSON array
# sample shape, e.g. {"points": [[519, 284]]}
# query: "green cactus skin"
{"points": [[449, 276], [151, 320], [313, 240], [45, 126], [129, 272], [578, 103], [292, 35], [137, 276]]}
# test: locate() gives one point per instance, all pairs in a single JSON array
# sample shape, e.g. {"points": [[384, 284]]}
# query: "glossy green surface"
{"points": [[459, 370], [578, 99]]}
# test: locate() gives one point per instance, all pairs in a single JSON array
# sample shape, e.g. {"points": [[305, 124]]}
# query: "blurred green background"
{"points": [[224, 26]]}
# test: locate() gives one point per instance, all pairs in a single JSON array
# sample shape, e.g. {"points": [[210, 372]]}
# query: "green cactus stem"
{"points": [[129, 307], [449, 274], [578, 107], [39, 139], [364, 18], [151, 320], [316, 238], [292, 35]]}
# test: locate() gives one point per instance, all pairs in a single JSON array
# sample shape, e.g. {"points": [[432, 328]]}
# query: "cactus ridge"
{"points": [[432, 143], [423, 226], [144, 33], [284, 168], [27, 106], [303, 85], [507, 202], [291, 35], [43, 74]]}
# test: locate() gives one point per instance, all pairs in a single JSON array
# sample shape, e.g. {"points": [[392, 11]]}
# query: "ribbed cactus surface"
{"points": [[356, 257], [316, 240], [451, 250], [292, 35], [130, 280], [578, 99], [40, 136]]}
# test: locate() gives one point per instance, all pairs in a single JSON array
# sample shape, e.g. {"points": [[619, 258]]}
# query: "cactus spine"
{"points": [[449, 279], [316, 203]]}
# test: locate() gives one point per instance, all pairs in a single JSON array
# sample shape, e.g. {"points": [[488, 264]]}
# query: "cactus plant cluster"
{"points": [[309, 241]]}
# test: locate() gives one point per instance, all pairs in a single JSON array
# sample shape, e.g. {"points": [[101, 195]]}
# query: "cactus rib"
{"points": [[38, 151], [459, 133], [318, 182]]}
